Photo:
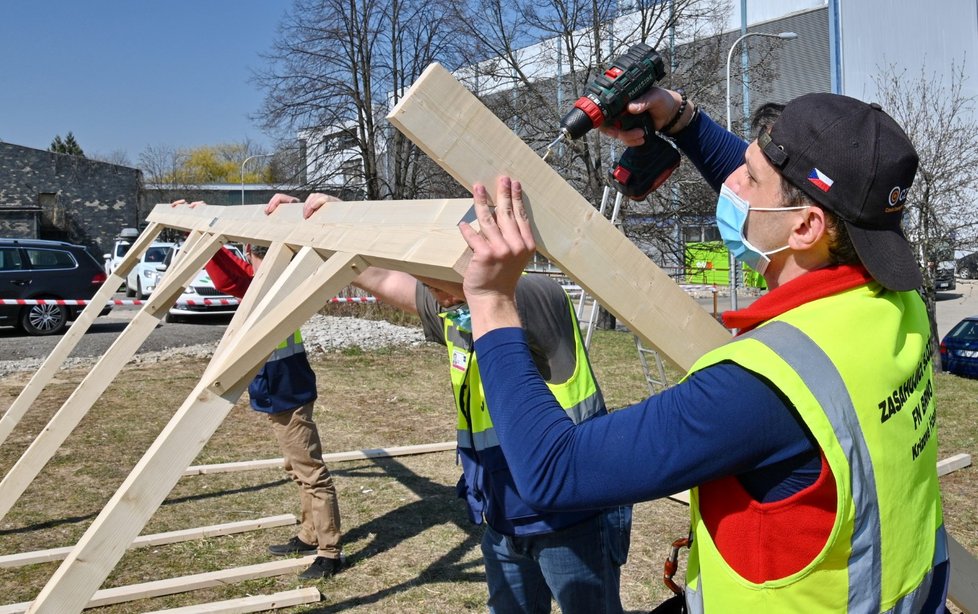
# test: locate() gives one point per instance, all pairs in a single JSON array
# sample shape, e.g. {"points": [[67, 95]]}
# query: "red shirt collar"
{"points": [[810, 286]]}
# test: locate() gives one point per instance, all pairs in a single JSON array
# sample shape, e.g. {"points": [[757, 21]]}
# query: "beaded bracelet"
{"points": [[692, 119], [675, 118]]}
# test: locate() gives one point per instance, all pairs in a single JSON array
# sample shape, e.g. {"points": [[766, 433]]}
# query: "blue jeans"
{"points": [[579, 566]]}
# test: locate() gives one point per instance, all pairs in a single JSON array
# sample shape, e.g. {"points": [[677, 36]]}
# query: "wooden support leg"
{"points": [[105, 541], [105, 370], [72, 336], [273, 265]]}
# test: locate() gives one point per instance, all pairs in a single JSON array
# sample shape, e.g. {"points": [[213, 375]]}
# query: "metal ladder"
{"points": [[656, 379]]}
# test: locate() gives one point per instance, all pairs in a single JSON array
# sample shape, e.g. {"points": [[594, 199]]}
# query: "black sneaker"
{"points": [[322, 568], [293, 546]]}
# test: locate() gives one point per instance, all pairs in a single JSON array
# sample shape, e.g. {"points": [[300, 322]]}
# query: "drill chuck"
{"points": [[576, 123]]}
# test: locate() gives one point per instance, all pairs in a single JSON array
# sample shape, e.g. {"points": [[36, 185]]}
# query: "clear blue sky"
{"points": [[127, 74]]}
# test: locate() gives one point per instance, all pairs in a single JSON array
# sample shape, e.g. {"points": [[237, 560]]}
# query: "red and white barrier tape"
{"points": [[206, 301]]}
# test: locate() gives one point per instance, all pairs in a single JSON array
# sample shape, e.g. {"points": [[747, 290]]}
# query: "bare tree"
{"points": [[161, 166], [334, 71], [116, 156], [941, 210], [531, 85]]}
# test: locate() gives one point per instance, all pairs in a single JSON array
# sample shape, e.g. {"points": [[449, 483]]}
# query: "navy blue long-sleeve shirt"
{"points": [[685, 436]]}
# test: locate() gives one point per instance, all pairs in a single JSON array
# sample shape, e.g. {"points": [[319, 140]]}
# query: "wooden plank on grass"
{"points": [[255, 603], [172, 586], [335, 457], [458, 132], [156, 539], [953, 463]]}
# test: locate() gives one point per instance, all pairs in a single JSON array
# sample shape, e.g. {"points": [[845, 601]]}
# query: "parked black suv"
{"points": [[34, 269]]}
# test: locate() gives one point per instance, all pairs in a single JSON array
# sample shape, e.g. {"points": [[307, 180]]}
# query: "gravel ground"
{"points": [[320, 333]]}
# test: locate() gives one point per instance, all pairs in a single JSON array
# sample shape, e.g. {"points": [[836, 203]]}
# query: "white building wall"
{"points": [[908, 34]]}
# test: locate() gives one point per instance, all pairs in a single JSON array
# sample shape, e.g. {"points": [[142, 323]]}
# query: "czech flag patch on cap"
{"points": [[820, 179]]}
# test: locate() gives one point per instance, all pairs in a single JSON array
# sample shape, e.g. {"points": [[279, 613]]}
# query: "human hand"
{"points": [[658, 102], [500, 251], [182, 202], [315, 201], [277, 200]]}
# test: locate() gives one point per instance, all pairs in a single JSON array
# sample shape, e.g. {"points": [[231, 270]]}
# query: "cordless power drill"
{"points": [[641, 169]]}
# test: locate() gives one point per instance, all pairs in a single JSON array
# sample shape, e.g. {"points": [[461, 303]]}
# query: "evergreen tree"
{"points": [[68, 145]]}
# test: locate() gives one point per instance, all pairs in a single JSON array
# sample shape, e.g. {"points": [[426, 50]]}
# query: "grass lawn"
{"points": [[407, 538]]}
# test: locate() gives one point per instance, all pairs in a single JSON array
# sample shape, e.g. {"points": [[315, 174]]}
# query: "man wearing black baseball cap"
{"points": [[809, 439]]}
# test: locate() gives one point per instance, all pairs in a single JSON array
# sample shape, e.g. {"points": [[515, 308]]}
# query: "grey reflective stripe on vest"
{"points": [[585, 409], [825, 383], [479, 441], [487, 438], [291, 348], [694, 599]]}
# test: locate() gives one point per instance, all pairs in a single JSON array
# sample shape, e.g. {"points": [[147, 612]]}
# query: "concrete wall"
{"points": [[46, 195]]}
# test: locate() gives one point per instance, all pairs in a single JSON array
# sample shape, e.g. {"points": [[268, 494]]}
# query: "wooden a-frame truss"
{"points": [[309, 261]]}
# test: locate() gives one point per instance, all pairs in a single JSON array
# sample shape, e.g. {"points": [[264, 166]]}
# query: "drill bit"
{"points": [[551, 145]]}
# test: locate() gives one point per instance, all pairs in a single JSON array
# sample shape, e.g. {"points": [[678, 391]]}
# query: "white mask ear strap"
{"points": [[780, 208], [774, 251]]}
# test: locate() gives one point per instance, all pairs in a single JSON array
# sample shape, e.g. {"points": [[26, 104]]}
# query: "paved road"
{"points": [[956, 304], [14, 345]]}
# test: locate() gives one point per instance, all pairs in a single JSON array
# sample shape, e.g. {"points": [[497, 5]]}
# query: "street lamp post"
{"points": [[243, 167], [782, 36]]}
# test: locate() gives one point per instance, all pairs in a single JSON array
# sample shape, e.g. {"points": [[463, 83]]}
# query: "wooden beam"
{"points": [[170, 586], [419, 237], [335, 457], [155, 539], [127, 512], [273, 266], [459, 133], [25, 400], [953, 463], [301, 288], [256, 603], [76, 407]]}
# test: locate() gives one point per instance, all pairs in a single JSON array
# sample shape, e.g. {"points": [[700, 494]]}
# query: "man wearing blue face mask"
{"points": [[809, 440], [531, 556]]}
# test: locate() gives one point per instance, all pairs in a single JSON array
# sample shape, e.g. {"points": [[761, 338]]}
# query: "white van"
{"points": [[120, 248]]}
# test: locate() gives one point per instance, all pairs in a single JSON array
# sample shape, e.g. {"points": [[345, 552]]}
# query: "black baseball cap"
{"points": [[853, 159]]}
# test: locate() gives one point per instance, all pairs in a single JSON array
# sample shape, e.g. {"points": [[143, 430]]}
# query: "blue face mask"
{"points": [[732, 213], [461, 318]]}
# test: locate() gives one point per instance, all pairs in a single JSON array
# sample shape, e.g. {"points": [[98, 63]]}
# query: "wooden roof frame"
{"points": [[310, 260]]}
